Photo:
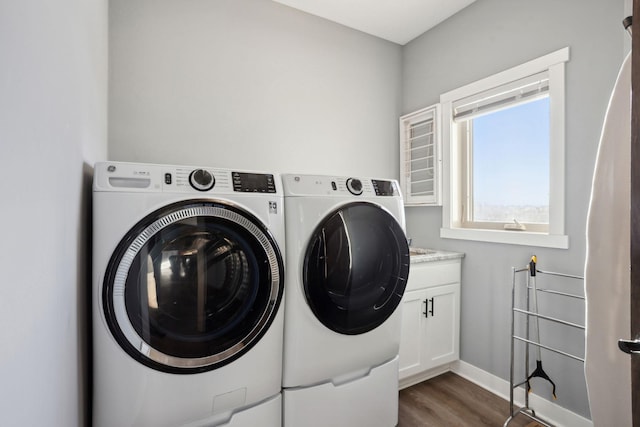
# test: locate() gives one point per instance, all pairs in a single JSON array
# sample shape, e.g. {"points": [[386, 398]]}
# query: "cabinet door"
{"points": [[411, 336], [442, 325]]}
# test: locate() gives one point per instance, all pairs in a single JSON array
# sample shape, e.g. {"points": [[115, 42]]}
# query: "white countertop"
{"points": [[419, 255]]}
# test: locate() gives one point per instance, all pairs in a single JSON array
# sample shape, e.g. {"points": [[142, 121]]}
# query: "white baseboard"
{"points": [[423, 376], [545, 409]]}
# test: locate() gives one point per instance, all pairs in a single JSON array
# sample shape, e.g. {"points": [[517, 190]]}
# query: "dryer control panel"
{"points": [[312, 185], [385, 188]]}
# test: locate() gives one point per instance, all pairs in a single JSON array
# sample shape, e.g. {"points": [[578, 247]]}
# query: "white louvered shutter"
{"points": [[420, 160]]}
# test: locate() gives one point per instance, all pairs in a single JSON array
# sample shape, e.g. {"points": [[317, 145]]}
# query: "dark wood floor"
{"points": [[449, 400]]}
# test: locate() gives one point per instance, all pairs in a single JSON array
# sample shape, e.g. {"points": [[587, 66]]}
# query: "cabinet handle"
{"points": [[629, 346], [428, 312]]}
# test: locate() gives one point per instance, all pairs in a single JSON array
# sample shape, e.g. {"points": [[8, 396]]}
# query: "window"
{"points": [[505, 157], [420, 162], [504, 136]]}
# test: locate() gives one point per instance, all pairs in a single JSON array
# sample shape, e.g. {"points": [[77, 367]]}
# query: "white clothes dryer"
{"points": [[347, 268], [188, 279]]}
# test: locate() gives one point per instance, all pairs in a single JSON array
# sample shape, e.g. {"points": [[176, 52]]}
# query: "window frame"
{"points": [[453, 152]]}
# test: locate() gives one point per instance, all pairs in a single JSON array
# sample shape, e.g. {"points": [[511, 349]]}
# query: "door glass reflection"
{"points": [[193, 288]]}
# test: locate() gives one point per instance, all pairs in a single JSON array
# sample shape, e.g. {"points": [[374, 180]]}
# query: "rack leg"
{"points": [[511, 373]]}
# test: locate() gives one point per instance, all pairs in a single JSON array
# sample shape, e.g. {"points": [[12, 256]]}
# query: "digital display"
{"points": [[253, 182], [384, 188]]}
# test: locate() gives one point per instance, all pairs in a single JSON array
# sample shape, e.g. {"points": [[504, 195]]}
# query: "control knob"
{"points": [[354, 186], [202, 180]]}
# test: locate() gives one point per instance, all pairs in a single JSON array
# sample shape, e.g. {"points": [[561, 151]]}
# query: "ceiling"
{"points": [[398, 21]]}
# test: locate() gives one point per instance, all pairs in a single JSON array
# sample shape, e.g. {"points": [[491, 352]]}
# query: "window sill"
{"points": [[524, 238]]}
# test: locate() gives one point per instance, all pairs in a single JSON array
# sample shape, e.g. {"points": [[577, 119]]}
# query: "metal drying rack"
{"points": [[528, 313]]}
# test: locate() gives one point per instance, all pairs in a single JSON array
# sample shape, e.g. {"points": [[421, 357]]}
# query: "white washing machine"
{"points": [[347, 268], [187, 290]]}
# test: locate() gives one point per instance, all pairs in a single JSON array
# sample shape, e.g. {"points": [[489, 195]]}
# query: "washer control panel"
{"points": [[139, 177]]}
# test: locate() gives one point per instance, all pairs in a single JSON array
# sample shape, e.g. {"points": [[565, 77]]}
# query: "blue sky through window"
{"points": [[511, 162]]}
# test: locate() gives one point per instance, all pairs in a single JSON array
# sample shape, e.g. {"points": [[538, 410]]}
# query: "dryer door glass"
{"points": [[356, 268], [193, 287]]}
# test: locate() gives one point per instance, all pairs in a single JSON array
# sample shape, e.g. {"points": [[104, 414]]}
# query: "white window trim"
{"points": [[451, 185]]}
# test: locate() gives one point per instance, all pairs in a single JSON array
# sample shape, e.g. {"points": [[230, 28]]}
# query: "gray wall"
{"points": [[487, 37], [53, 127], [250, 84]]}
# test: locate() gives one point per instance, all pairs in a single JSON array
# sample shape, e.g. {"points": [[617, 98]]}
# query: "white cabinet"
{"points": [[430, 333]]}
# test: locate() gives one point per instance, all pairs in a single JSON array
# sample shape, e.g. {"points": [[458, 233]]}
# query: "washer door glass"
{"points": [[193, 287], [356, 268]]}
